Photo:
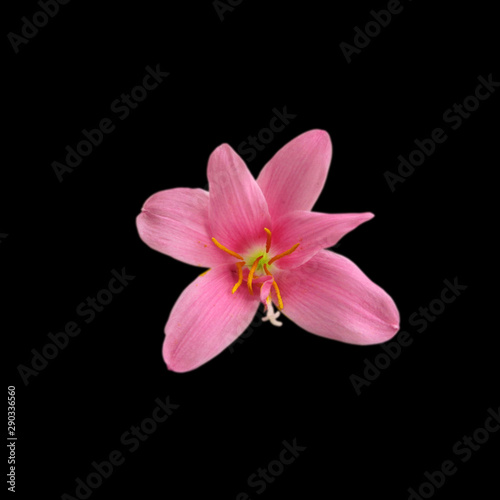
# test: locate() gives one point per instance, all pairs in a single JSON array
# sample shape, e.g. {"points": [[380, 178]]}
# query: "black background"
{"points": [[64, 238]]}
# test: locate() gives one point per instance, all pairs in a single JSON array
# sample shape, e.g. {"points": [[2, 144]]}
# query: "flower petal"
{"points": [[331, 297], [313, 230], [238, 210], [265, 289], [175, 222], [206, 319], [294, 177]]}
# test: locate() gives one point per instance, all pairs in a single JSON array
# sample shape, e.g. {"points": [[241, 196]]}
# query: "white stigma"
{"points": [[272, 315]]}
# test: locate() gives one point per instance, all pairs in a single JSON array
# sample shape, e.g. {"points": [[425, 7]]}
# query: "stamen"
{"points": [[250, 274], [230, 252], [239, 266], [268, 243], [203, 274], [288, 252], [280, 302], [277, 290]]}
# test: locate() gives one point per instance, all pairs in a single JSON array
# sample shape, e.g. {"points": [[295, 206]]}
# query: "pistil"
{"points": [[276, 289], [271, 315]]}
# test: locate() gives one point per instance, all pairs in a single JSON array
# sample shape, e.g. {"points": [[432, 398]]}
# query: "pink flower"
{"points": [[262, 244]]}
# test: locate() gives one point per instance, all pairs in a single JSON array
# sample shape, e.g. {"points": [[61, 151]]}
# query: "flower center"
{"points": [[258, 262]]}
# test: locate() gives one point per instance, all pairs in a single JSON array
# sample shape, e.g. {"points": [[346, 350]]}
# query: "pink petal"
{"points": [[265, 289], [330, 296], [206, 319], [294, 177], [313, 231], [238, 210], [175, 222]]}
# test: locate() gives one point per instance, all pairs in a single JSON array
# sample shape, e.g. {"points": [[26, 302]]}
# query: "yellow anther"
{"points": [[239, 266], [250, 274], [288, 252], [230, 252], [278, 294], [268, 243]]}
